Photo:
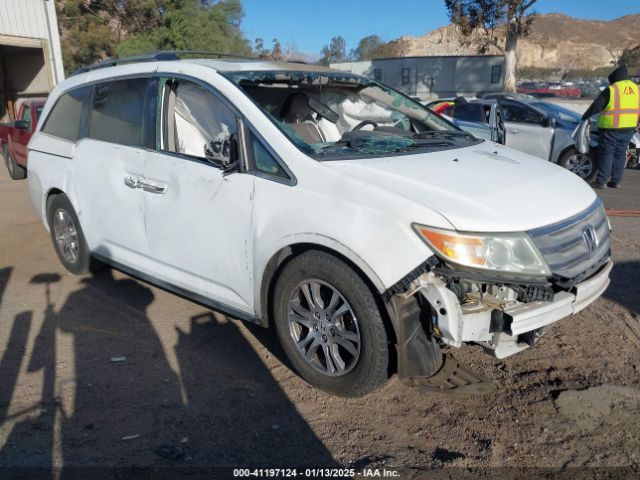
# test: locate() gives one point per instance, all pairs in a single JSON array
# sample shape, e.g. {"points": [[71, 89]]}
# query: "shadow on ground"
{"points": [[625, 286], [141, 417]]}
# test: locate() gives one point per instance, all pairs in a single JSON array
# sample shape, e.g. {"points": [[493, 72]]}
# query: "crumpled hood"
{"points": [[482, 188]]}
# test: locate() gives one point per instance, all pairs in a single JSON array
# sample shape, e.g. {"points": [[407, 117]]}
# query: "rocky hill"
{"points": [[556, 41]]}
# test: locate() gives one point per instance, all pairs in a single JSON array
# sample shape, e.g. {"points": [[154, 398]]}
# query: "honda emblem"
{"points": [[591, 239]]}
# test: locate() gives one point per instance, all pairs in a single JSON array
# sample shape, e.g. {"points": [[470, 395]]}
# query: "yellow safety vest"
{"points": [[623, 109]]}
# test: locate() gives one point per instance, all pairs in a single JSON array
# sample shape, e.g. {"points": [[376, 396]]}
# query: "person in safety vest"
{"points": [[619, 109]]}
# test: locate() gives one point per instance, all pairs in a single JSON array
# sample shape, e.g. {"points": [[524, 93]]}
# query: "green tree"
{"points": [[94, 29], [258, 48], [86, 34], [368, 48], [373, 46], [334, 52], [193, 25], [501, 23], [276, 51]]}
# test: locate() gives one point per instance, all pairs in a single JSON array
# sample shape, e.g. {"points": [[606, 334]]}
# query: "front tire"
{"points": [[329, 325], [68, 238], [582, 164]]}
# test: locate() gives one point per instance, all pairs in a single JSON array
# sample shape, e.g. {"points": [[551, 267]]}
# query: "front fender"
{"points": [[382, 245]]}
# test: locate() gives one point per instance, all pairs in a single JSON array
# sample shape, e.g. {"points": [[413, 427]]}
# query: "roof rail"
{"points": [[156, 57]]}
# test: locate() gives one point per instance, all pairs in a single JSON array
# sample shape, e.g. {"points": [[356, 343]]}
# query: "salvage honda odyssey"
{"points": [[367, 230]]}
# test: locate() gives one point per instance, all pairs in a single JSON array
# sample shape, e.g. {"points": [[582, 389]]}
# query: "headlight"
{"points": [[499, 252]]}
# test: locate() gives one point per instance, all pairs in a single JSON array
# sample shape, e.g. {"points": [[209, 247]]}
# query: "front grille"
{"points": [[575, 245]]}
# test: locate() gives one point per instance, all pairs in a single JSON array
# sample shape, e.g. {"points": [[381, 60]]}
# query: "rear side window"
{"points": [[471, 112], [65, 118], [118, 111]]}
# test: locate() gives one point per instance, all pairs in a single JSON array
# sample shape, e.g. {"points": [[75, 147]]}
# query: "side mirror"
{"points": [[21, 125], [222, 151], [549, 122]]}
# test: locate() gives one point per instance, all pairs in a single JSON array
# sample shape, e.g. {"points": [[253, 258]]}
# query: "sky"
{"points": [[310, 24]]}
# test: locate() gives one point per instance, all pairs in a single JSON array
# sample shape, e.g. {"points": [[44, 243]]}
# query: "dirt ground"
{"points": [[197, 391]]}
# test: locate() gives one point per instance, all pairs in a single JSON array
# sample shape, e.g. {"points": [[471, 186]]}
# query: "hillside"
{"points": [[556, 41]]}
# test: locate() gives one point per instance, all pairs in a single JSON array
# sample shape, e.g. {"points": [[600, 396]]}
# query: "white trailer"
{"points": [[434, 77], [30, 53]]}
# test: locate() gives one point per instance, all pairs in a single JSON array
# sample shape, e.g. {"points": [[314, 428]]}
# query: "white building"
{"points": [[434, 77], [30, 54]]}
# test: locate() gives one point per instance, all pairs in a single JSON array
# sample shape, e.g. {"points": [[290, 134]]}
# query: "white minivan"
{"points": [[369, 231]]}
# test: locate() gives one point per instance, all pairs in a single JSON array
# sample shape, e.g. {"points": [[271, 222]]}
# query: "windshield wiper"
{"points": [[438, 133]]}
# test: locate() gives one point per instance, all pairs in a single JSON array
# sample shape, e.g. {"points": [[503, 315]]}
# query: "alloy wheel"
{"points": [[324, 327], [580, 164], [66, 235]]}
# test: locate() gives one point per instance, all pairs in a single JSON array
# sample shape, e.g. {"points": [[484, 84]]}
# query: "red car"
{"points": [[15, 136]]}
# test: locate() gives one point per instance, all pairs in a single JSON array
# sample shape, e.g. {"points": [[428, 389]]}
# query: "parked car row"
{"points": [[369, 231], [572, 89]]}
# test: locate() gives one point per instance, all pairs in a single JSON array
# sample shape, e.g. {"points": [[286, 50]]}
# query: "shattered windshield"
{"points": [[333, 115]]}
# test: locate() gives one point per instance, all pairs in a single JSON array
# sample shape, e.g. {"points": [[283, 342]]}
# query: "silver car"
{"points": [[528, 124], [544, 129]]}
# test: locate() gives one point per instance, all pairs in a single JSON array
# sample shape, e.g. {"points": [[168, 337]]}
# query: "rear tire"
{"points": [[329, 325], [16, 172], [584, 165], [68, 238]]}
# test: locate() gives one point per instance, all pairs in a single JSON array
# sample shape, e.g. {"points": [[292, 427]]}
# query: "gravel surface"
{"points": [[192, 389]]}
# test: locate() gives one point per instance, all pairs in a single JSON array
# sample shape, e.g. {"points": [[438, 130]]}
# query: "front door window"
{"points": [[198, 123]]}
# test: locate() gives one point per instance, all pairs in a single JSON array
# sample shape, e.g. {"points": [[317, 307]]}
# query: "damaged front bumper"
{"points": [[498, 321]]}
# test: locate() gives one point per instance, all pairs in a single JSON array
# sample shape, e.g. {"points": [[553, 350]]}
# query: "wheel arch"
{"points": [[287, 253], [564, 151], [283, 255], [53, 191]]}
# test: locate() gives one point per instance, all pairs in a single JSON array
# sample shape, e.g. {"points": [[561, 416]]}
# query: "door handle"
{"points": [[151, 188], [131, 182], [515, 132]]}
